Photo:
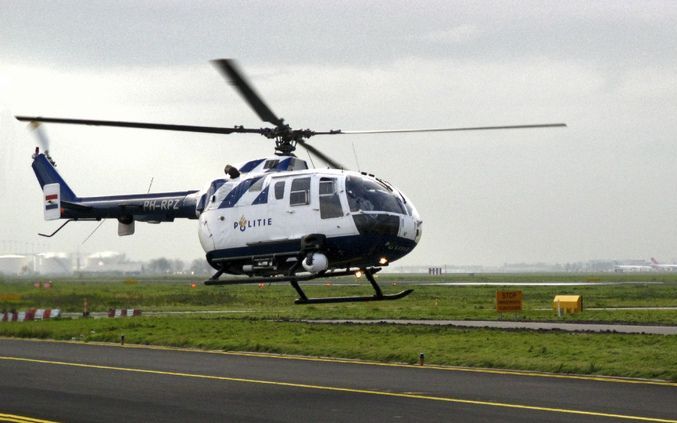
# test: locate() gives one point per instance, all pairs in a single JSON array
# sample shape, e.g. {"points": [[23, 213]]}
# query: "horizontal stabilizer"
{"points": [[74, 206]]}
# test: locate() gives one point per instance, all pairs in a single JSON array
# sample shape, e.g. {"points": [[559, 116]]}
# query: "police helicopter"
{"points": [[272, 219]]}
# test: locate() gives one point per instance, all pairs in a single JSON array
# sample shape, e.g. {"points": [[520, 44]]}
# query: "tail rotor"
{"points": [[42, 139]]}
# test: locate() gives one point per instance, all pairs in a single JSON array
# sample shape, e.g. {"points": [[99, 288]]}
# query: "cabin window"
{"points": [[297, 164], [300, 192], [257, 186], [279, 190], [330, 204], [270, 164]]}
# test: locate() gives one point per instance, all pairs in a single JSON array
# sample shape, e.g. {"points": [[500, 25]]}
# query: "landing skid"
{"points": [[304, 299]]}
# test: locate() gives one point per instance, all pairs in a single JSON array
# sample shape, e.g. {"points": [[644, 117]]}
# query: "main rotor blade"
{"points": [[475, 128], [331, 162], [142, 125], [230, 71]]}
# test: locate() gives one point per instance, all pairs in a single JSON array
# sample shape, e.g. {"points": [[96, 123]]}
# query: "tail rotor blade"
{"points": [[40, 134]]}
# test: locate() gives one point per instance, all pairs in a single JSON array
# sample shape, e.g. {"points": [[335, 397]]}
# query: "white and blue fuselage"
{"points": [[267, 218], [258, 220]]}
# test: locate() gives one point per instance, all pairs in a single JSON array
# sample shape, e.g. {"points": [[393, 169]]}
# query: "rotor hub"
{"points": [[285, 147]]}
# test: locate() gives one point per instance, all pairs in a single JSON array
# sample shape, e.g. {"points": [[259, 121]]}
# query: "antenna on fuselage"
{"points": [[94, 231], [310, 157], [357, 162]]}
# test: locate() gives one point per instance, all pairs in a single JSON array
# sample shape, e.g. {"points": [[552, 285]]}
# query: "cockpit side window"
{"points": [[300, 192], [216, 184], [367, 195], [210, 195], [410, 210], [201, 203], [330, 204]]}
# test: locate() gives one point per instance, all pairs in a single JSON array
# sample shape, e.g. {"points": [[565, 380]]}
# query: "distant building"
{"points": [[15, 264], [110, 262], [53, 264]]}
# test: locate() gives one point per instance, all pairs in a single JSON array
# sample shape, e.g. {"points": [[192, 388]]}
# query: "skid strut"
{"points": [[304, 299], [369, 273]]}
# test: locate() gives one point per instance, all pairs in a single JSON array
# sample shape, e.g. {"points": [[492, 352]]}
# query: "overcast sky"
{"points": [[602, 188]]}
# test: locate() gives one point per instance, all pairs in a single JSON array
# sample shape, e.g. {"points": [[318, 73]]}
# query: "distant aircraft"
{"points": [[620, 268], [662, 267]]}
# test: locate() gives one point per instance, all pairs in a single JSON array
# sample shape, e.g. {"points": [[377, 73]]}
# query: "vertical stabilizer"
{"points": [[48, 175]]}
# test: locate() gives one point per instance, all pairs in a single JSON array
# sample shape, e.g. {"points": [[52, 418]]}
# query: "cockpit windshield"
{"points": [[209, 194], [368, 195]]}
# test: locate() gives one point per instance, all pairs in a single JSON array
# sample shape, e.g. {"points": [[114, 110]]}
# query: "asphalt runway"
{"points": [[61, 381]]}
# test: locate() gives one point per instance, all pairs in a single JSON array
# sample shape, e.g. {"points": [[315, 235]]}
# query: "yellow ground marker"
{"points": [[339, 389]]}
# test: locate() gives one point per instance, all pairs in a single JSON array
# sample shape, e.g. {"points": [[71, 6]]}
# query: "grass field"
{"points": [[266, 320], [427, 302]]}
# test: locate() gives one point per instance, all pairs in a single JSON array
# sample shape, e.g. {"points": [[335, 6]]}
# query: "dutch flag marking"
{"points": [[50, 199]]}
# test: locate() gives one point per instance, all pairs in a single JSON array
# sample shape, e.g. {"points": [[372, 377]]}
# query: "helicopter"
{"points": [[271, 219]]}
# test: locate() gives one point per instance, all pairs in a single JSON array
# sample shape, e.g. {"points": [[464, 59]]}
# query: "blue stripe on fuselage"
{"points": [[283, 165], [249, 166], [263, 197], [236, 193]]}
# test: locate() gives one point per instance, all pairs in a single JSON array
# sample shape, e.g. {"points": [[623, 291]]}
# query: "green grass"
{"points": [[646, 356], [270, 320], [427, 302]]}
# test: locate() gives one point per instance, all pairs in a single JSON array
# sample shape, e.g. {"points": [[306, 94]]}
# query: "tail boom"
{"points": [[60, 202]]}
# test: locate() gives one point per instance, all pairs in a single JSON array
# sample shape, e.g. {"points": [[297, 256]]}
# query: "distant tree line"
{"points": [[165, 266]]}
